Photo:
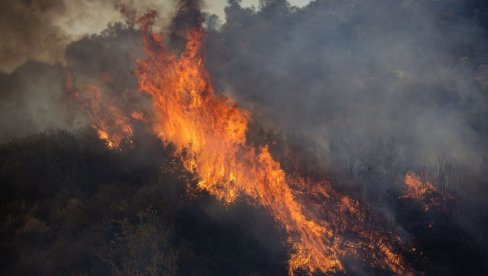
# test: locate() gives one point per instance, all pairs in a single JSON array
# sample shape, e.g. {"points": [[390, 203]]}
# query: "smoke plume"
{"points": [[378, 85]]}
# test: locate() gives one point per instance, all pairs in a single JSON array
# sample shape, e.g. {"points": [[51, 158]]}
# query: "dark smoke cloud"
{"points": [[188, 16], [28, 32], [40, 30], [380, 85]]}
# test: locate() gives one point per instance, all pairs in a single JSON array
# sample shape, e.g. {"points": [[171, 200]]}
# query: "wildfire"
{"points": [[110, 121], [424, 192], [416, 187], [209, 132]]}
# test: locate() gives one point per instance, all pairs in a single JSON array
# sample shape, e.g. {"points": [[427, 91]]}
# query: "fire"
{"points": [[209, 132], [424, 192], [416, 187], [212, 130], [110, 121]]}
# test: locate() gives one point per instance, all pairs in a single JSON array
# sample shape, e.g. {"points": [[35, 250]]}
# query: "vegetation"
{"points": [[70, 206]]}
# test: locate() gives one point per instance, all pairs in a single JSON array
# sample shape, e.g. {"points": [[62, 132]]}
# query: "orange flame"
{"points": [[424, 192], [210, 132], [416, 187], [110, 121]]}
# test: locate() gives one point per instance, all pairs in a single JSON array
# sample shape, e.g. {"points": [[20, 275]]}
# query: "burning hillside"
{"points": [[210, 133], [162, 117]]}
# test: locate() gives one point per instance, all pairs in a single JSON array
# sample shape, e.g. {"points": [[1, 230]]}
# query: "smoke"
{"points": [[27, 32], [41, 30], [379, 85], [372, 88], [187, 16], [32, 100], [34, 97], [42, 40]]}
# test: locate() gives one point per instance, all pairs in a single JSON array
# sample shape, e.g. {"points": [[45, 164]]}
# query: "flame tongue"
{"points": [[189, 114], [209, 131], [212, 129], [424, 192], [416, 187]]}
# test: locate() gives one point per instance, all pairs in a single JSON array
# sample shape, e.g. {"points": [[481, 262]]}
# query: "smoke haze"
{"points": [[376, 85], [353, 79], [368, 89]]}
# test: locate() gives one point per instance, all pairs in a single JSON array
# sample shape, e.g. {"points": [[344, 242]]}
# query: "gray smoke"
{"points": [[371, 88], [376, 86], [41, 30], [32, 100], [42, 40]]}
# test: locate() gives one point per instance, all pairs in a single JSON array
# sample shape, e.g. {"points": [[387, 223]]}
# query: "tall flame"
{"points": [[210, 130]]}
